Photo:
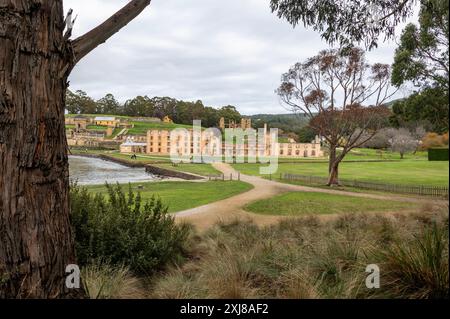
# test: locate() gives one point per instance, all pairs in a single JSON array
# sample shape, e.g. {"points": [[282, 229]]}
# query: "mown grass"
{"points": [[199, 169], [179, 196], [303, 203], [314, 258], [145, 159], [406, 172]]}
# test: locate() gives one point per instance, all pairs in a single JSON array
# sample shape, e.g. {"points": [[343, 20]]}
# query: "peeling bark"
{"points": [[36, 242]]}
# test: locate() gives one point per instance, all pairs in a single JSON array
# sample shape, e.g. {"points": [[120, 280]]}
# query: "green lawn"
{"points": [[302, 203], [408, 172], [199, 169], [185, 195], [146, 159]]}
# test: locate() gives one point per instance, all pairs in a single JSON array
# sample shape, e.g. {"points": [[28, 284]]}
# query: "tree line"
{"points": [[181, 112]]}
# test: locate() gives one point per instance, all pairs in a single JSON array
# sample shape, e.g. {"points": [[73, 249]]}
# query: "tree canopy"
{"points": [[422, 58], [181, 112], [344, 97], [346, 22]]}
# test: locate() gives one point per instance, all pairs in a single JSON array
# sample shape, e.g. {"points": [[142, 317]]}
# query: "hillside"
{"points": [[286, 122]]}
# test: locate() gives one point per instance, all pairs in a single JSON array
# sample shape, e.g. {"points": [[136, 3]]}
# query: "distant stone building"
{"points": [[246, 123], [88, 139], [167, 120], [159, 142], [131, 146], [107, 121]]}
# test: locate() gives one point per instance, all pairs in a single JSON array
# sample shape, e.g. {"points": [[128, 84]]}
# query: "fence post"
{"points": [[231, 177], [223, 177]]}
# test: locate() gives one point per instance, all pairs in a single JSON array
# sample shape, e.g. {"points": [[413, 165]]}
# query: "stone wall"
{"points": [[155, 170]]}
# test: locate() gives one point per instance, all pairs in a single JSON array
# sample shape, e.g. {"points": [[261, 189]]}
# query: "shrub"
{"points": [[434, 140], [438, 154], [123, 230]]}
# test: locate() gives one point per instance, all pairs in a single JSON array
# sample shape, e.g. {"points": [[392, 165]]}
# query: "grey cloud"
{"points": [[220, 52]]}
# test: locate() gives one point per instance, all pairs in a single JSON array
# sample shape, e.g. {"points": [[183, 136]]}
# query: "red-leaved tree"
{"points": [[332, 89]]}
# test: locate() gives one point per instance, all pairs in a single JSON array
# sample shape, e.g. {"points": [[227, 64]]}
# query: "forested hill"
{"points": [[286, 122]]}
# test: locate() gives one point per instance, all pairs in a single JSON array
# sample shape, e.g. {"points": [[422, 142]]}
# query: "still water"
{"points": [[92, 171]]}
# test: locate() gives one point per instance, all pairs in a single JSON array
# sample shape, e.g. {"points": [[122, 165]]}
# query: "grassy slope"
{"points": [[142, 127], [139, 128], [298, 203], [185, 195]]}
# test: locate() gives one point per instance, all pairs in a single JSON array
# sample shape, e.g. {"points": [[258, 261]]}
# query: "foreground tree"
{"points": [[351, 22], [346, 22], [331, 89], [422, 58], [36, 58]]}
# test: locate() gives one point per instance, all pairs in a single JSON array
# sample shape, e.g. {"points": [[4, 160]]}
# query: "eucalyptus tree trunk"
{"points": [[36, 241], [333, 167]]}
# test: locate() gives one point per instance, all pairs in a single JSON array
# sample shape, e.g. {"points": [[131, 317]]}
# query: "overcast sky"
{"points": [[220, 52]]}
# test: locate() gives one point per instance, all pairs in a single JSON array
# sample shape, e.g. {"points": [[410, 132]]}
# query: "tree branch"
{"points": [[83, 45]]}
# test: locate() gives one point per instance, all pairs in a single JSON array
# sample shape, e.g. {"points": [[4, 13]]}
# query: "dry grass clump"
{"points": [[312, 258], [103, 281]]}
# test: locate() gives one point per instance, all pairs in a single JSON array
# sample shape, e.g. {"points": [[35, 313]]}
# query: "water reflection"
{"points": [[92, 171]]}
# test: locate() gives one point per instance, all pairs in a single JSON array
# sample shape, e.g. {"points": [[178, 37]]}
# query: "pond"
{"points": [[94, 171]]}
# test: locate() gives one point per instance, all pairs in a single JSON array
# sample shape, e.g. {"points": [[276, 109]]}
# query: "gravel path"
{"points": [[232, 208]]}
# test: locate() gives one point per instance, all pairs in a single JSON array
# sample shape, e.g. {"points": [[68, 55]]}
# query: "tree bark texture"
{"points": [[36, 242]]}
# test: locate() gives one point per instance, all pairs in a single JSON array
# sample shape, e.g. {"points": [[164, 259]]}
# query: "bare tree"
{"points": [[36, 58], [403, 141], [331, 89]]}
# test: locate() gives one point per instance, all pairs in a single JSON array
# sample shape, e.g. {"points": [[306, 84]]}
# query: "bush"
{"points": [[122, 230], [438, 154], [434, 140]]}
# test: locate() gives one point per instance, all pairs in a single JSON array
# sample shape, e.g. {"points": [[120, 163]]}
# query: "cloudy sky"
{"points": [[220, 52]]}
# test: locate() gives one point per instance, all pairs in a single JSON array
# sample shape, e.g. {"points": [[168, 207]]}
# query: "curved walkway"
{"points": [[232, 208]]}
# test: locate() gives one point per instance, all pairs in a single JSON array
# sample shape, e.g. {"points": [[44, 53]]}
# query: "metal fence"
{"points": [[422, 190]]}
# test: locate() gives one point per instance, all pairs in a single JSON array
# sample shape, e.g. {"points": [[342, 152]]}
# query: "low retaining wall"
{"points": [[120, 161], [155, 170]]}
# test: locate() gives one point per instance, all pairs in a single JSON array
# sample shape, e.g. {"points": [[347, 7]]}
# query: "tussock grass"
{"points": [[103, 281], [314, 258]]}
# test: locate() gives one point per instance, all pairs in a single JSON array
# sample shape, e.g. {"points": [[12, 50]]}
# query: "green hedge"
{"points": [[438, 154]]}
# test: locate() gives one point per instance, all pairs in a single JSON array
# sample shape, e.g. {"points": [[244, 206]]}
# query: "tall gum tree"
{"points": [[343, 96], [36, 59]]}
